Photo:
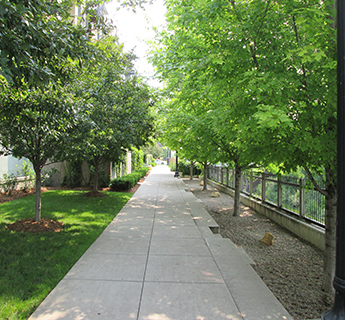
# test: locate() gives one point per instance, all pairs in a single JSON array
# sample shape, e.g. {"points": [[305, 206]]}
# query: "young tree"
{"points": [[114, 109], [188, 134], [299, 111], [35, 125], [40, 51], [185, 58], [273, 66]]}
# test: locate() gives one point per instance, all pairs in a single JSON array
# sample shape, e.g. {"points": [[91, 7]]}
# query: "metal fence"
{"points": [[287, 192]]}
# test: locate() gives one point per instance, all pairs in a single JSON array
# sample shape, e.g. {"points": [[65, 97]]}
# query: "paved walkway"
{"points": [[160, 259]]}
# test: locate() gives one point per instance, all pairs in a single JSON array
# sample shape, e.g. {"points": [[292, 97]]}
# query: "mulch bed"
{"points": [[94, 194], [30, 225], [17, 194]]}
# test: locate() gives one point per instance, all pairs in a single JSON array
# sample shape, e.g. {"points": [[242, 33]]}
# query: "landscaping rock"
{"points": [[268, 239], [291, 268]]}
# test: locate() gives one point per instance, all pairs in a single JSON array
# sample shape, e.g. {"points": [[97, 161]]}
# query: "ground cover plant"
{"points": [[32, 264], [128, 181]]}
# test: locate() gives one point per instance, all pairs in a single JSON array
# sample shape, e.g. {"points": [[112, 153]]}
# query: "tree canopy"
{"points": [[262, 74], [60, 88], [38, 42], [114, 107]]}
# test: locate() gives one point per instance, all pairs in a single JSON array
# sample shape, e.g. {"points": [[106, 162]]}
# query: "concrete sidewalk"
{"points": [[161, 259]]}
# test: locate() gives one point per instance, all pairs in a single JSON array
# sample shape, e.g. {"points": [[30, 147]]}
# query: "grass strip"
{"points": [[32, 264]]}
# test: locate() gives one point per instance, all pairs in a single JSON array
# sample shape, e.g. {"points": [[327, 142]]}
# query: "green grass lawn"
{"points": [[31, 264]]}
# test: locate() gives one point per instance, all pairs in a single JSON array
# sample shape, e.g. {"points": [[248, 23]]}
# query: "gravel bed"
{"points": [[291, 268]]}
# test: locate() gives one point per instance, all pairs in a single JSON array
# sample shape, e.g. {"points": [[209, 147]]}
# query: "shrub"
{"points": [[47, 176], [137, 159], [10, 183], [184, 167], [128, 181], [28, 174], [73, 175]]}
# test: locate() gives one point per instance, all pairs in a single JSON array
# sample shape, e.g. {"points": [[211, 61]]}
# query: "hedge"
{"points": [[128, 181]]}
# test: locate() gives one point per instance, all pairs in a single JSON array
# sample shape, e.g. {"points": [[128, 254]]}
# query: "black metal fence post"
{"points": [[251, 183], [280, 193], [338, 310], [176, 175], [302, 197], [263, 187]]}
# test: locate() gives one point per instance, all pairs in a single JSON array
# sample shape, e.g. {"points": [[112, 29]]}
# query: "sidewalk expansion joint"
{"points": [[101, 280]]}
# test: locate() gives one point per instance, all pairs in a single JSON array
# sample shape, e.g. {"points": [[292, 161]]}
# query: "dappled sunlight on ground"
{"points": [[246, 213], [156, 316], [140, 206], [223, 209], [290, 268], [163, 316]]}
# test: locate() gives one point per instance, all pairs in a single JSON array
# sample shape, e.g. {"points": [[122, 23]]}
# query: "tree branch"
{"points": [[298, 42], [317, 187], [265, 13]]}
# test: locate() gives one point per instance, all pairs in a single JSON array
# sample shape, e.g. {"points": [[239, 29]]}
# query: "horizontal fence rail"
{"points": [[287, 193]]}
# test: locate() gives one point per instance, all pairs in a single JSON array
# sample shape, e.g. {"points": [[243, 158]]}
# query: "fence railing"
{"points": [[287, 192]]}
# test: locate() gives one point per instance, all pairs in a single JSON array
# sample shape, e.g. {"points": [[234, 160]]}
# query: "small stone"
{"points": [[267, 239], [215, 194], [202, 182]]}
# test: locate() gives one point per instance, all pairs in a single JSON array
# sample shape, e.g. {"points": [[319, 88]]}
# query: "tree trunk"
{"points": [[95, 178], [191, 170], [205, 177], [38, 193], [330, 239], [238, 174]]}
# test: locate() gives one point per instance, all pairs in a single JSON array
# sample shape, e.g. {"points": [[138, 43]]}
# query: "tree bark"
{"points": [[205, 177], [38, 193], [330, 233], [238, 173], [191, 170], [95, 178]]}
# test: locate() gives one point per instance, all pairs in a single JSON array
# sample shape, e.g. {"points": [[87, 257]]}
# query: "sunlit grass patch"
{"points": [[32, 264]]}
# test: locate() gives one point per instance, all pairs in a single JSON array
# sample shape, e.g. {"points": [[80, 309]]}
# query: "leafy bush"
{"points": [[28, 174], [73, 175], [47, 176], [197, 169], [137, 159], [10, 183], [184, 167], [128, 181]]}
